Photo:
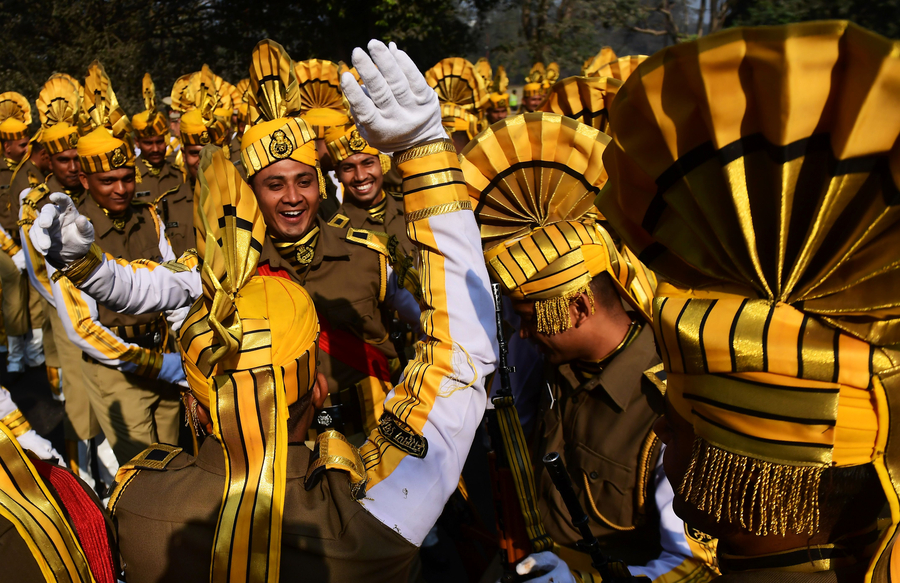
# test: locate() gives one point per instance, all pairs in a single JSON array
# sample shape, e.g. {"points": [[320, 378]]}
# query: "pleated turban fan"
{"points": [[532, 179], [151, 122], [534, 81], [100, 106], [620, 68], [207, 112], [593, 64], [249, 346], [15, 116], [584, 99], [461, 91], [756, 170], [277, 132], [322, 103], [58, 105]]}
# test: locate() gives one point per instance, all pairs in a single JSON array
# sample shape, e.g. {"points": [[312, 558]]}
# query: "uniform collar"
{"points": [[54, 185], [104, 223], [164, 171], [621, 377], [331, 244], [211, 459]]}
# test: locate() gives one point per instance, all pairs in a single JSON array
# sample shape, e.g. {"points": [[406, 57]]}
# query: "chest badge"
{"points": [[305, 254]]}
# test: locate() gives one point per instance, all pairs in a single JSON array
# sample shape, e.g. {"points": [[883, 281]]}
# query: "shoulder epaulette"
{"points": [[338, 220], [156, 458], [37, 193], [334, 452], [374, 240]]}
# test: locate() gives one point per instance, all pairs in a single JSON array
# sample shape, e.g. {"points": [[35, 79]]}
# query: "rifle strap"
{"points": [[522, 471]]}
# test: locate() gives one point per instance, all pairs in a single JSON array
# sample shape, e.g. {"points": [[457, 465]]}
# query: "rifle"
{"points": [[589, 543], [519, 525]]}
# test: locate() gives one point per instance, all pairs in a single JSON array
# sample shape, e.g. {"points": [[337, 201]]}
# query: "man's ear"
{"points": [[581, 308], [82, 177], [320, 391]]}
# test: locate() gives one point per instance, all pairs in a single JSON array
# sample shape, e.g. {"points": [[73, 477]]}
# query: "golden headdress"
{"points": [[241, 99], [496, 85], [15, 115], [180, 102], [100, 151], [534, 81], [551, 75], [150, 122], [200, 125], [456, 81], [456, 119], [102, 107], [248, 340], [483, 68], [343, 68], [621, 68], [321, 99], [532, 179], [776, 210], [593, 64], [585, 99], [348, 144], [274, 102], [58, 104]]}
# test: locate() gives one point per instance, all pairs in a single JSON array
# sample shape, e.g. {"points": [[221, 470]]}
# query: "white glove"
{"points": [[171, 370], [554, 569], [19, 259], [60, 233], [397, 109], [39, 446], [176, 317]]}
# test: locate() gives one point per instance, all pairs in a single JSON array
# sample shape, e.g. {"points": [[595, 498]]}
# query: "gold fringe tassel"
{"points": [[553, 313], [762, 497]]}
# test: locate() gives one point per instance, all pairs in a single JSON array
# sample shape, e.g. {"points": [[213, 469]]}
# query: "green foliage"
{"points": [[881, 16], [169, 39]]}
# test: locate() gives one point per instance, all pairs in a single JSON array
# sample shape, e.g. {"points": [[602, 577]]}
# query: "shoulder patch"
{"points": [[36, 194], [374, 240], [334, 452], [156, 457], [339, 220]]}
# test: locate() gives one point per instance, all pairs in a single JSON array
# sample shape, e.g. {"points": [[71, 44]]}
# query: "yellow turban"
{"points": [[150, 123], [13, 129], [348, 144], [774, 212], [250, 351], [196, 132], [456, 119], [15, 115], [321, 119], [532, 179], [59, 137], [100, 151]]}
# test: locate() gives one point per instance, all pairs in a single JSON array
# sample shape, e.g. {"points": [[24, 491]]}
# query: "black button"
{"points": [[594, 475]]}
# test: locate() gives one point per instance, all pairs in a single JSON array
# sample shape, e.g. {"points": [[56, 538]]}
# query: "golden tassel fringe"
{"points": [[762, 497], [553, 314]]}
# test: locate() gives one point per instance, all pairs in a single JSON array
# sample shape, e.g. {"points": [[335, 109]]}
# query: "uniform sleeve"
{"points": [[414, 458], [7, 245], [78, 312], [34, 261], [683, 558], [139, 287]]}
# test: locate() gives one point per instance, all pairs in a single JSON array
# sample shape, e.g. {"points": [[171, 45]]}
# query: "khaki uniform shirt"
{"points": [[176, 209], [156, 183], [605, 436], [7, 220], [27, 176], [346, 284], [167, 520], [394, 223]]}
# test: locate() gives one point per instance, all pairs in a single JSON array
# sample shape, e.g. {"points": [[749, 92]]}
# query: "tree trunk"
{"points": [[700, 15]]}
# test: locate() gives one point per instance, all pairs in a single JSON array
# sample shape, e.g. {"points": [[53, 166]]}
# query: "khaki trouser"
{"points": [[81, 421], [15, 297], [134, 412]]}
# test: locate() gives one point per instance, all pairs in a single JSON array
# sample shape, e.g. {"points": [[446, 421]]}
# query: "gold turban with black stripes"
{"points": [[532, 179], [249, 345], [584, 99], [756, 169]]}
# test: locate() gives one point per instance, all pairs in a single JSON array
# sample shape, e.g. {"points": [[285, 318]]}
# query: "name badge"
{"points": [[172, 225], [142, 193]]}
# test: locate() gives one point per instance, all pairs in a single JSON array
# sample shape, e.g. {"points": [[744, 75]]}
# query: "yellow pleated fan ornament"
{"points": [[757, 170], [532, 179], [322, 103], [551, 75], [58, 105], [151, 122], [593, 64], [483, 68], [456, 81], [249, 345], [621, 68], [102, 106], [585, 99], [181, 102], [15, 116], [344, 68]]}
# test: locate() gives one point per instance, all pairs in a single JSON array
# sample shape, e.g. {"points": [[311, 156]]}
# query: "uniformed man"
{"points": [[533, 91], [361, 170], [159, 177], [498, 106], [15, 116], [52, 526], [280, 156], [776, 336], [572, 291], [128, 376], [315, 521]]}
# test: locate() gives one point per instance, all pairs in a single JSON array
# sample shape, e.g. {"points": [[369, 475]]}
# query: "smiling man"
{"points": [[125, 370], [158, 176], [361, 169]]}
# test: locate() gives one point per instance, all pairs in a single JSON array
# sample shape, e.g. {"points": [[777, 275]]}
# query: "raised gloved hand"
{"points": [[554, 569], [19, 260], [61, 233], [171, 370], [397, 109]]}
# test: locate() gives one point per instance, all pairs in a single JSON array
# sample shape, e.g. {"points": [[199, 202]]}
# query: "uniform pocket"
{"points": [[605, 487]]}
